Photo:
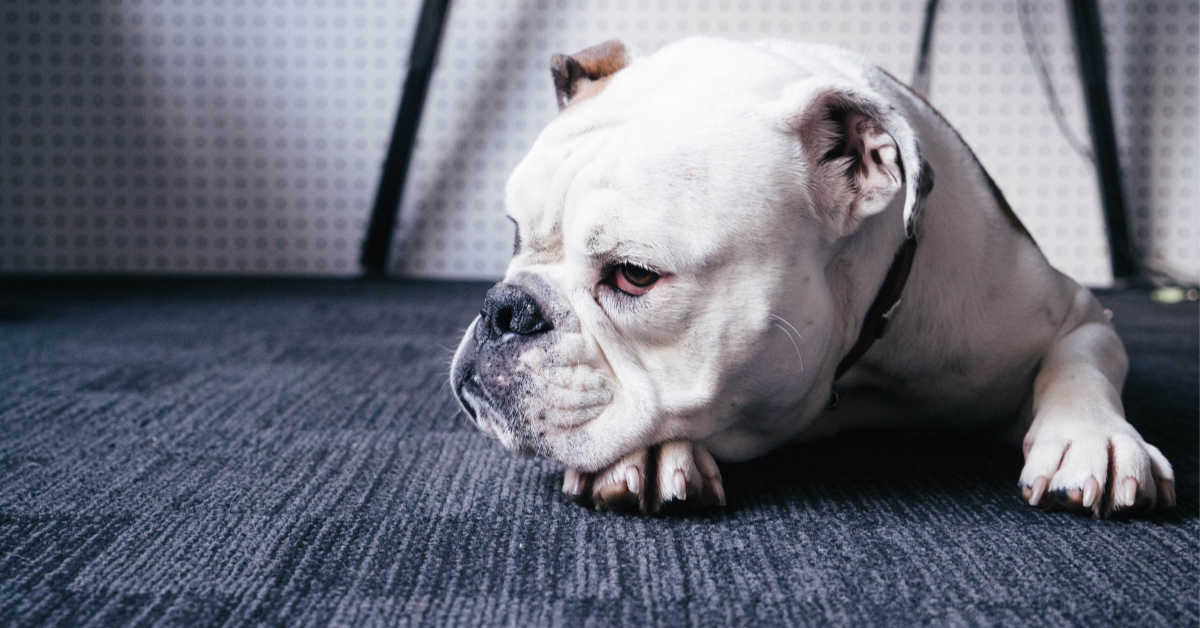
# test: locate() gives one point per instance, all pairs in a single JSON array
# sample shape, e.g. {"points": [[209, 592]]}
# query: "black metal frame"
{"points": [[921, 75], [1089, 44], [428, 36]]}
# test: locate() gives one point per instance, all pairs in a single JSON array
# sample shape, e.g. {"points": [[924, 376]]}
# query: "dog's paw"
{"points": [[1102, 472], [672, 476]]}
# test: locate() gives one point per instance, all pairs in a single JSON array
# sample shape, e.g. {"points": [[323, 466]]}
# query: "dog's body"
{"points": [[703, 236]]}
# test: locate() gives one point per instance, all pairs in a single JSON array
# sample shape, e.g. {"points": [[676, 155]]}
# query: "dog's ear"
{"points": [[581, 74], [860, 152]]}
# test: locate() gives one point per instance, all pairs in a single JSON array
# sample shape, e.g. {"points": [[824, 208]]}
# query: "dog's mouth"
{"points": [[466, 399], [492, 419], [473, 398]]}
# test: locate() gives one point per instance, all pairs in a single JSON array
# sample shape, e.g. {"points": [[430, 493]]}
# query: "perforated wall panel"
{"points": [[194, 136], [247, 135]]}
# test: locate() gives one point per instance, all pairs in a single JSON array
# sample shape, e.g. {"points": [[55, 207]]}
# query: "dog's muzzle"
{"points": [[509, 319]]}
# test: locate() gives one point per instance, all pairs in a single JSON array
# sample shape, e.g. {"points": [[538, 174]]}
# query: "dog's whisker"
{"points": [[789, 325], [796, 346], [785, 326]]}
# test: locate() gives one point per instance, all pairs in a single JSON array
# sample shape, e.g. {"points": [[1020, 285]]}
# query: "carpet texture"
{"points": [[288, 452]]}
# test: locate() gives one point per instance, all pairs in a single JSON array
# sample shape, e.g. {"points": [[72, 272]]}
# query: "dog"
{"points": [[726, 246]]}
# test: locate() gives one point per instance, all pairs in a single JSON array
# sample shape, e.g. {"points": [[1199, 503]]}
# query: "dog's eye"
{"points": [[633, 279]]}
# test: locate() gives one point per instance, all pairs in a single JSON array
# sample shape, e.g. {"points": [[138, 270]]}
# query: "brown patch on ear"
{"points": [[586, 89], [584, 73]]}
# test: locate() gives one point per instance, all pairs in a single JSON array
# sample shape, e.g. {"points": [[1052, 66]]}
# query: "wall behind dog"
{"points": [[246, 136]]}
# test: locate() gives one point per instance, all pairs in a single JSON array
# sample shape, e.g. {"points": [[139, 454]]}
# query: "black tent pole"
{"points": [[428, 35], [1089, 44]]}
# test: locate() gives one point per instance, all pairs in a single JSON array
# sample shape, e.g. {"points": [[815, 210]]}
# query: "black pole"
{"points": [[1089, 45], [428, 35], [921, 82]]}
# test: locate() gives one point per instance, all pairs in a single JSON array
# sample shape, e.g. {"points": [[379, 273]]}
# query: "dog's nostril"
{"points": [[502, 320], [508, 309]]}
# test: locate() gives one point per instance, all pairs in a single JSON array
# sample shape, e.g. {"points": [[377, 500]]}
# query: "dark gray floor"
{"points": [[288, 452]]}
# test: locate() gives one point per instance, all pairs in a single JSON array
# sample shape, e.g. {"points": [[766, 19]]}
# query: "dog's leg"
{"points": [[676, 475], [1080, 452]]}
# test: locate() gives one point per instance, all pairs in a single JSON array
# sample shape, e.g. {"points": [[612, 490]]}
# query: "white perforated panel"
{"points": [[247, 135], [1154, 70], [194, 136]]}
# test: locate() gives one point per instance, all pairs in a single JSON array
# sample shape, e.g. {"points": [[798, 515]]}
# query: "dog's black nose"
{"points": [[509, 309]]}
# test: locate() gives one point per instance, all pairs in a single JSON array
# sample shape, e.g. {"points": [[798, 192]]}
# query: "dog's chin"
{"points": [[491, 420], [570, 446], [516, 443]]}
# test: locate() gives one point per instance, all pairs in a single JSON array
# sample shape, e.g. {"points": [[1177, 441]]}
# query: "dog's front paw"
{"points": [[681, 476], [1104, 472]]}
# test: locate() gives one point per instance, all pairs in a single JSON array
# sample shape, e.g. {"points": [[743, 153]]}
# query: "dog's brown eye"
{"points": [[634, 280]]}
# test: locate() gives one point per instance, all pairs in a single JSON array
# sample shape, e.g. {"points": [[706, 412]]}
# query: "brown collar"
{"points": [[875, 323]]}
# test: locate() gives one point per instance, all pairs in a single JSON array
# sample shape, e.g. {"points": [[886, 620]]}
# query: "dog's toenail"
{"points": [[1039, 488], [680, 485], [1129, 488], [1091, 489], [633, 480]]}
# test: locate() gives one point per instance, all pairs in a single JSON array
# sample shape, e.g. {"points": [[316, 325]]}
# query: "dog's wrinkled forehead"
{"points": [[636, 187], [591, 198]]}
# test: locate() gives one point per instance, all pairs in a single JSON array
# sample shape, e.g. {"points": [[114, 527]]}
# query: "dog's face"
{"points": [[669, 275]]}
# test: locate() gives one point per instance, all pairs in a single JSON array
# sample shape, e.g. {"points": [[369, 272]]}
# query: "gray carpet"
{"points": [[287, 452]]}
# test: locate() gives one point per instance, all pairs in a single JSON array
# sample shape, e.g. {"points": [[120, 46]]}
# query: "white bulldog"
{"points": [[710, 237]]}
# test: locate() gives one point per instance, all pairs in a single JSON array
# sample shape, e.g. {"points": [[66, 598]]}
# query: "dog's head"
{"points": [[674, 225]]}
